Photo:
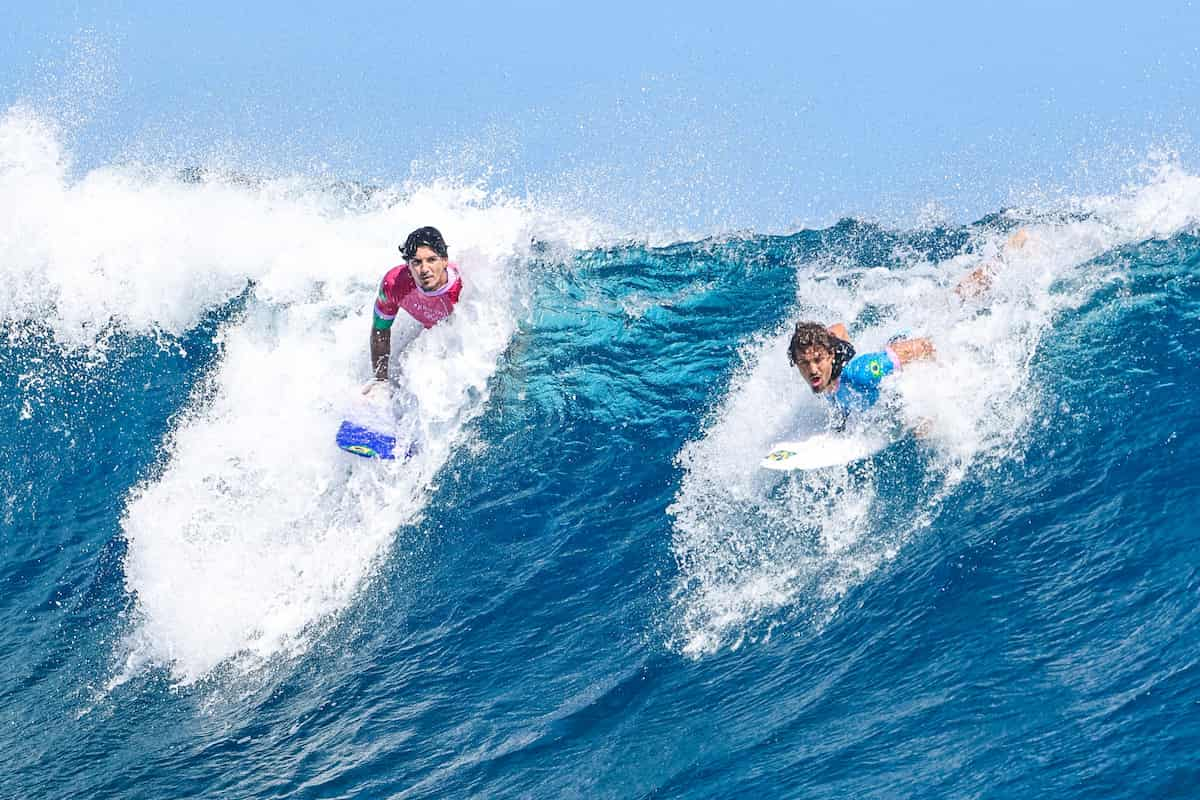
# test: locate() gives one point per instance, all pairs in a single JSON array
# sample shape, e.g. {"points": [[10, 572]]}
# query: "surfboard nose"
{"points": [[365, 442]]}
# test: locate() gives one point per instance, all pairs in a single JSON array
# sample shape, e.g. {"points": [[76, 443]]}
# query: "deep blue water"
{"points": [[1012, 618]]}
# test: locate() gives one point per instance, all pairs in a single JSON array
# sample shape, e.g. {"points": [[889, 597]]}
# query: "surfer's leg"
{"points": [[979, 281]]}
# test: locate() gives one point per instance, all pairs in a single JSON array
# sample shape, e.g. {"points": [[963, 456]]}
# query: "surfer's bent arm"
{"points": [[908, 350], [902, 351], [864, 372]]}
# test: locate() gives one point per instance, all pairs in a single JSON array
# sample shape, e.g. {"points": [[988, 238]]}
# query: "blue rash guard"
{"points": [[858, 385]]}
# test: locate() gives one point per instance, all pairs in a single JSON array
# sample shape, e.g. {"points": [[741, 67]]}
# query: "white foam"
{"points": [[257, 530], [751, 548]]}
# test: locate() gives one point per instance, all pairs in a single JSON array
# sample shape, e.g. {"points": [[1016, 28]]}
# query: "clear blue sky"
{"points": [[765, 115]]}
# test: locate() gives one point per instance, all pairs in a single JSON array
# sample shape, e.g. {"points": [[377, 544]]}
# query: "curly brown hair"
{"points": [[811, 334]]}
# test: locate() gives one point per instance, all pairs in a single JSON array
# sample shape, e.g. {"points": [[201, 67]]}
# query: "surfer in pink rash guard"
{"points": [[425, 288]]}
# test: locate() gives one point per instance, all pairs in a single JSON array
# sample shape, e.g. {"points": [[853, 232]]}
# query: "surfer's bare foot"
{"points": [[980, 279]]}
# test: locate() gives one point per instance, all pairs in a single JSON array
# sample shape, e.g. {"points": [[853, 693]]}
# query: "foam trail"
{"points": [[256, 529], [750, 546]]}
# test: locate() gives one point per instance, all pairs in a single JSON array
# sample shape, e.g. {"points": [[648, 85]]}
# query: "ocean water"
{"points": [[584, 586]]}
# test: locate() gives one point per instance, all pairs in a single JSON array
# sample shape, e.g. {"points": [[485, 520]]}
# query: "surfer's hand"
{"points": [[908, 350], [375, 388], [975, 284]]}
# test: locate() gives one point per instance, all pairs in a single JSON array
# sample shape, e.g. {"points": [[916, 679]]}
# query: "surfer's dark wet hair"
{"points": [[424, 237], [814, 334]]}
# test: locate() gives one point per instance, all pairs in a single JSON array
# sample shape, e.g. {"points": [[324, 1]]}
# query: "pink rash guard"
{"points": [[398, 290]]}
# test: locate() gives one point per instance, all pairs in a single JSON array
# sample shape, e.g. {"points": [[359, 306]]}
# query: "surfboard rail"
{"points": [[821, 450]]}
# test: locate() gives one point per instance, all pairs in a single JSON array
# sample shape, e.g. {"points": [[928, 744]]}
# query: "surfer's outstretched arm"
{"points": [[381, 351]]}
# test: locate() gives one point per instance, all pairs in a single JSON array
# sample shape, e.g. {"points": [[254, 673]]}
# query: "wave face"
{"points": [[583, 586]]}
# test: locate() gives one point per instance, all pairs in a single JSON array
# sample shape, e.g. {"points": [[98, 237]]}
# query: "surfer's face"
{"points": [[428, 269], [816, 365]]}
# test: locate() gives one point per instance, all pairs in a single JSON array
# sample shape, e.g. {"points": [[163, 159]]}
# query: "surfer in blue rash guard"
{"points": [[829, 365], [850, 381]]}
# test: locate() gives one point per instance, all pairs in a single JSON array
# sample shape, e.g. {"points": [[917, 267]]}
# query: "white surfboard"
{"points": [[821, 450]]}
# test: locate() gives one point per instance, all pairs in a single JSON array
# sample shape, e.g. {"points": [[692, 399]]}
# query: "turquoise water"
{"points": [[584, 586]]}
